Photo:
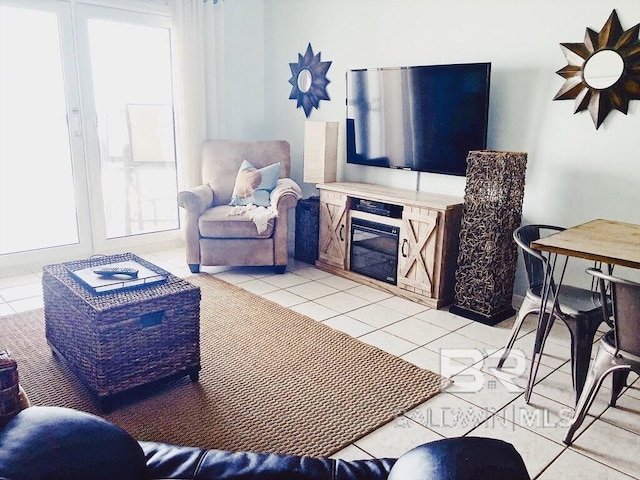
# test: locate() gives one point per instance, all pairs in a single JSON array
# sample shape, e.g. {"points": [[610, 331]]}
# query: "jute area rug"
{"points": [[272, 380]]}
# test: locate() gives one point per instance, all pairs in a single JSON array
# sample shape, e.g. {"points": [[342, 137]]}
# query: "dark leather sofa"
{"points": [[58, 443]]}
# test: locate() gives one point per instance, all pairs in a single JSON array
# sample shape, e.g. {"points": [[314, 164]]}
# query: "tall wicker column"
{"points": [[488, 255]]}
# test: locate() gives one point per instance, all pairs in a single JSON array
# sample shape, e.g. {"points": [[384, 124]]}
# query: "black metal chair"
{"points": [[578, 308], [619, 350]]}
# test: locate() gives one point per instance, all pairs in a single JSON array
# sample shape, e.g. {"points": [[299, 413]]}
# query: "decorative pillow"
{"points": [[253, 185]]}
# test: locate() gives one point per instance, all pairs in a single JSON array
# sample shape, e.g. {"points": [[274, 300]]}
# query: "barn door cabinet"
{"points": [[332, 244], [427, 239]]}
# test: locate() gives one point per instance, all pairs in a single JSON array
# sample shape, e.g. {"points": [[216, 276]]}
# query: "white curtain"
{"points": [[193, 22]]}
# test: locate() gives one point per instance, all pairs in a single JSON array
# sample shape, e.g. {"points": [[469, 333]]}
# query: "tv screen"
{"points": [[423, 118]]}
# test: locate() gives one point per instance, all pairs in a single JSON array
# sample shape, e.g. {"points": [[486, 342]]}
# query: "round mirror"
{"points": [[603, 69], [304, 80]]}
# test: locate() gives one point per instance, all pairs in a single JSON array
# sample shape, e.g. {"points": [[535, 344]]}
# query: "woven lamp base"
{"points": [[488, 255]]}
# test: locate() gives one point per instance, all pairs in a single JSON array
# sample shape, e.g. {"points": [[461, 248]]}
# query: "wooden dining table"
{"points": [[610, 242], [606, 241]]}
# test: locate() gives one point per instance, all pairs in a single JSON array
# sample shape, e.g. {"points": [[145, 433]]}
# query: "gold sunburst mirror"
{"points": [[603, 73]]}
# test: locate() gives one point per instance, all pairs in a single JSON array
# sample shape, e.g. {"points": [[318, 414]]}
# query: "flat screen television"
{"points": [[422, 118]]}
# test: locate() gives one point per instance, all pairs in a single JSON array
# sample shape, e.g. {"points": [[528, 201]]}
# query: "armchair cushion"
{"points": [[253, 185], [217, 222]]}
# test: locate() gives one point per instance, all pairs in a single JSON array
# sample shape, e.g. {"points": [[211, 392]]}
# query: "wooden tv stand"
{"points": [[428, 224]]}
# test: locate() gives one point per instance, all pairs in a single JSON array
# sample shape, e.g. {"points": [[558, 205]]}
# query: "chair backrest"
{"points": [[534, 262], [221, 160], [625, 299]]}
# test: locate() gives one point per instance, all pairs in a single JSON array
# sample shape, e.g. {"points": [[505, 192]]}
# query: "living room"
{"points": [[574, 174], [569, 160]]}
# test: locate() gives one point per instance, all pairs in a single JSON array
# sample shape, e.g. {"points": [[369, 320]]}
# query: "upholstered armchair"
{"points": [[217, 233]]}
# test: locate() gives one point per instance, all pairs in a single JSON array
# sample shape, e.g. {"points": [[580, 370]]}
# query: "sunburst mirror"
{"points": [[309, 81], [603, 73]]}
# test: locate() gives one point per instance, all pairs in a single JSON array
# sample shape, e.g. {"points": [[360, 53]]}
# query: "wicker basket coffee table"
{"points": [[118, 341]]}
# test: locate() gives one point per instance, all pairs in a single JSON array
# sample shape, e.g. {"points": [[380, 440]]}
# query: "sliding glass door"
{"points": [[87, 144], [41, 167], [130, 99]]}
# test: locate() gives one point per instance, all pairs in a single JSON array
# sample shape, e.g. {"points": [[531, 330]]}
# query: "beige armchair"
{"points": [[214, 234]]}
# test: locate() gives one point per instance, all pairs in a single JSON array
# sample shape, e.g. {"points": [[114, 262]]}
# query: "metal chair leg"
{"points": [[544, 327], [602, 366], [583, 332], [618, 383], [528, 306]]}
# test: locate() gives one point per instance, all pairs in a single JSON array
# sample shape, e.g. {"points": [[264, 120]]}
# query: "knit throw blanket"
{"points": [[259, 215]]}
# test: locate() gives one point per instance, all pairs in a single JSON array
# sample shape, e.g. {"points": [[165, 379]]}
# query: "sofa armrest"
{"points": [[196, 200], [57, 443], [461, 458], [285, 195]]}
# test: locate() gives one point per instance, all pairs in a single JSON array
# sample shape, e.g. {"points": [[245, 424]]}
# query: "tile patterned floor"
{"points": [[481, 402]]}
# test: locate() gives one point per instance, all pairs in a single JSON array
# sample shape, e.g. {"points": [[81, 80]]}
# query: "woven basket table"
{"points": [[115, 342]]}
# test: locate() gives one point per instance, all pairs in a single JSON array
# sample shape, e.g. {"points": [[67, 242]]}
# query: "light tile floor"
{"points": [[481, 402]]}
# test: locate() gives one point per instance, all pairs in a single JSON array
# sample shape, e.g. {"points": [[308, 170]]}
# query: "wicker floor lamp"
{"points": [[488, 255]]}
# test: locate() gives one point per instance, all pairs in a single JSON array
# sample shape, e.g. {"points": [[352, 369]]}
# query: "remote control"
{"points": [[111, 271]]}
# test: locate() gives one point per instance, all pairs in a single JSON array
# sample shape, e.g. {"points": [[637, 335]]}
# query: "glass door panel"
{"points": [[37, 192], [87, 148], [132, 94]]}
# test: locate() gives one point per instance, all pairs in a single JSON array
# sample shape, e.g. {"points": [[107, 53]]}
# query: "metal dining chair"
{"points": [[578, 308], [619, 349]]}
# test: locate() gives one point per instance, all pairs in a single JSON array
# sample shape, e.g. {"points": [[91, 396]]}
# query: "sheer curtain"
{"points": [[195, 66]]}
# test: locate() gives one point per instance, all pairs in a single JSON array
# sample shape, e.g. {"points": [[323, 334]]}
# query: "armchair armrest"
{"points": [[196, 200], [285, 195], [283, 198]]}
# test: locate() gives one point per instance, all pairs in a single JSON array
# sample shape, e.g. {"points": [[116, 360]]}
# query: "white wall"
{"points": [[240, 33], [574, 173]]}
